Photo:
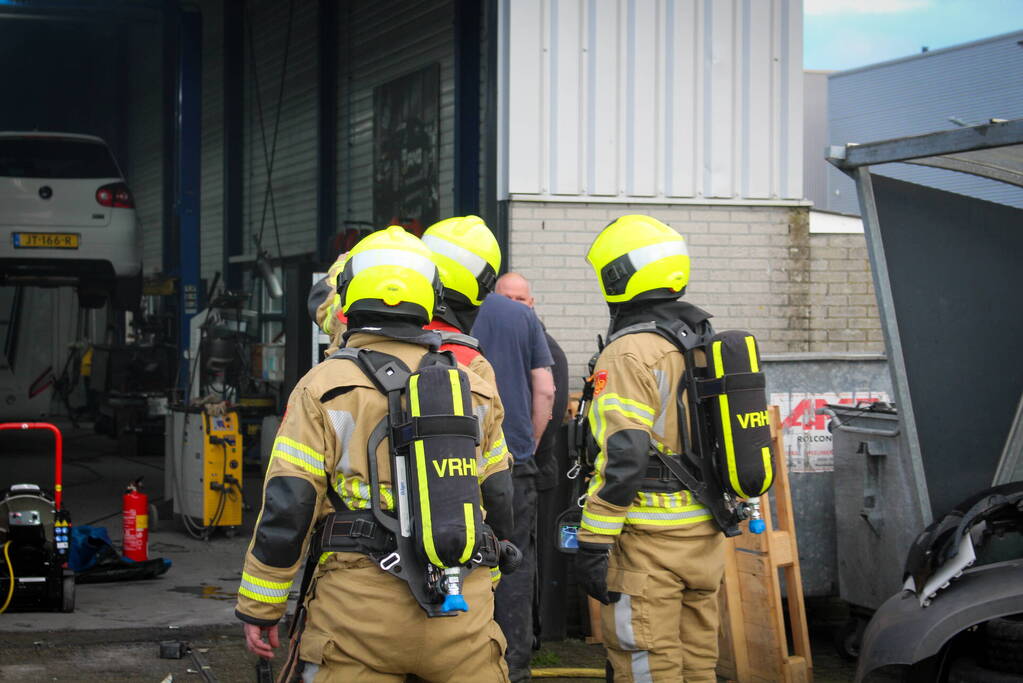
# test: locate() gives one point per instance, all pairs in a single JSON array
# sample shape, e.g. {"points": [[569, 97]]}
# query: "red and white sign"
{"points": [[805, 433]]}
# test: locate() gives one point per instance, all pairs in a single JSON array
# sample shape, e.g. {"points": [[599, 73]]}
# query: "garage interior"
{"points": [[247, 132]]}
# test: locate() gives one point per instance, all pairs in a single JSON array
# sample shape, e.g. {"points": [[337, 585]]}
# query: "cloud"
{"points": [[822, 7]]}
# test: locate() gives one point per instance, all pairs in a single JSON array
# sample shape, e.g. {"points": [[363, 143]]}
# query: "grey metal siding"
{"points": [[211, 209], [653, 99], [815, 137], [144, 165], [972, 82], [294, 156], [381, 41]]}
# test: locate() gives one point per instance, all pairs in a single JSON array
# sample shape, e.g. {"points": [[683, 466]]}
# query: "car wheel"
{"points": [[1003, 646], [90, 296], [127, 294], [848, 637], [67, 598]]}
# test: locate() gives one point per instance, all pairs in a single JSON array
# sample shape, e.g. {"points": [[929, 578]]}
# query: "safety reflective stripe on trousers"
{"points": [[261, 590], [640, 661], [298, 454]]}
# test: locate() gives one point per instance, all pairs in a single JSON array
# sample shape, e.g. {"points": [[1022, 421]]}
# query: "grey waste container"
{"points": [[877, 510]]}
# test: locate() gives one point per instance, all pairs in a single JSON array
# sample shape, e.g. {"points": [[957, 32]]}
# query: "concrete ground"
{"points": [[116, 628]]}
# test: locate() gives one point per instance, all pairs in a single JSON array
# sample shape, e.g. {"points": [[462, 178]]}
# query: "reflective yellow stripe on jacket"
{"points": [[261, 590], [354, 491], [498, 451], [666, 509], [298, 454]]}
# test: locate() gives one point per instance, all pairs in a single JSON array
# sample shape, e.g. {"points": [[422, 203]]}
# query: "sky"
{"points": [[845, 34]]}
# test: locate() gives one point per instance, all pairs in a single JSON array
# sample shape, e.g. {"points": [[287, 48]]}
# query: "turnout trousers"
{"points": [[515, 592], [364, 625], [665, 626]]}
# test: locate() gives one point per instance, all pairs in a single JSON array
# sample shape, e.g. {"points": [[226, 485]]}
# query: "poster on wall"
{"points": [[805, 434], [406, 150]]}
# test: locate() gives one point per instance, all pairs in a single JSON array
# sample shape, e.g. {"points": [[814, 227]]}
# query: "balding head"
{"points": [[516, 287]]}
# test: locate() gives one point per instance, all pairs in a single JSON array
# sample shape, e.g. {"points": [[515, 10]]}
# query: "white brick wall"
{"points": [[754, 268]]}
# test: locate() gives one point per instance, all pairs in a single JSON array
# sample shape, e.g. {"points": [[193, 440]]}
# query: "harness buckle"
{"points": [[389, 561], [362, 528]]}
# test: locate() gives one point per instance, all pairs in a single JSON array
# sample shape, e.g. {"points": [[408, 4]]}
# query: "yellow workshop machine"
{"points": [[204, 469]]}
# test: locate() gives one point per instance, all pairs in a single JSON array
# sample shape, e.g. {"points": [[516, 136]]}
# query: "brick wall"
{"points": [[843, 310], [754, 268]]}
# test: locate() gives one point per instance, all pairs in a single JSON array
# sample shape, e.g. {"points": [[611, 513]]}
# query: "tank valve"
{"points": [[756, 519], [453, 600]]}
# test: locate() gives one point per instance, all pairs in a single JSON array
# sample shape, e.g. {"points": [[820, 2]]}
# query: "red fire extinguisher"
{"points": [[135, 516]]}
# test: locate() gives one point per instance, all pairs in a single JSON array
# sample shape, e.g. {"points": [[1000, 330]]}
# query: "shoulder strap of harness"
{"points": [[461, 339], [678, 332]]}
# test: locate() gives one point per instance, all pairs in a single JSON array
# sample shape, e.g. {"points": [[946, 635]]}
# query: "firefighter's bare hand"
{"points": [[257, 645]]}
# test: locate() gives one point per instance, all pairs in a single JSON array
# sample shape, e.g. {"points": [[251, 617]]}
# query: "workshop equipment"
{"points": [[204, 468], [135, 522], [35, 532]]}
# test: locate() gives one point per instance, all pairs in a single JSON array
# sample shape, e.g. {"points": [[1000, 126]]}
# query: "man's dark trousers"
{"points": [[513, 605]]}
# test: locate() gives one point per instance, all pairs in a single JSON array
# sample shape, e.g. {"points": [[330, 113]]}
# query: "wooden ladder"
{"points": [[753, 641]]}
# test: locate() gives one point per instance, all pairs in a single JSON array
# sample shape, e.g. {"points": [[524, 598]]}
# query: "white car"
{"points": [[68, 218]]}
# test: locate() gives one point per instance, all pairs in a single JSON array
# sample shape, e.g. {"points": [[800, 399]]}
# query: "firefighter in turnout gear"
{"points": [[356, 619], [468, 258], [648, 550]]}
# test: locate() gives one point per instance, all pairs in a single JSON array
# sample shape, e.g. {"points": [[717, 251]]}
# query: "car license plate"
{"points": [[45, 240]]}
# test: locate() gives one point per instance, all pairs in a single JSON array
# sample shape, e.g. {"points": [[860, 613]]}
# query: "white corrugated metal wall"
{"points": [[612, 100], [211, 208], [815, 137], [144, 166], [381, 40], [294, 162]]}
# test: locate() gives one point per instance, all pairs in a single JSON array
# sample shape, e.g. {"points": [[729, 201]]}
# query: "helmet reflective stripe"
{"points": [[473, 263], [393, 257], [616, 274], [644, 256]]}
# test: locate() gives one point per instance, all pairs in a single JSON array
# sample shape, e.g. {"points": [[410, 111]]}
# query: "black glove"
{"points": [[591, 571], [510, 557]]}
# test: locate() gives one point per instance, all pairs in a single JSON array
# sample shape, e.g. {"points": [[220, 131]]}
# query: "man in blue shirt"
{"points": [[513, 340]]}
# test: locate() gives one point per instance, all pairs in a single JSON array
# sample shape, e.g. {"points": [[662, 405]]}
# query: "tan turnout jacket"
{"points": [[325, 440], [635, 380]]}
